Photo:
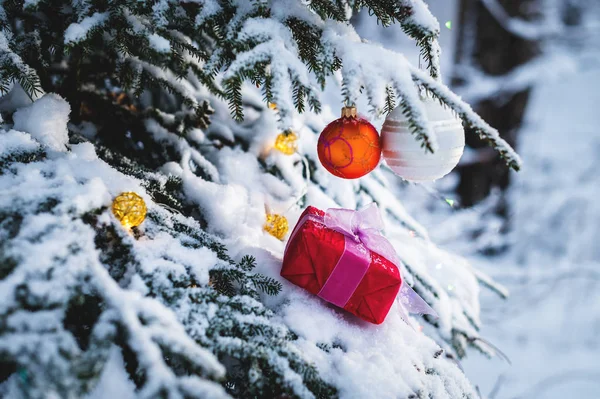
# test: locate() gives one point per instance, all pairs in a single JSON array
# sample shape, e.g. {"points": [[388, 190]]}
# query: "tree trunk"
{"points": [[484, 44]]}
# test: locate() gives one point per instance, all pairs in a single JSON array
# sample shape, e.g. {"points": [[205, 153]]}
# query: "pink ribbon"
{"points": [[362, 233]]}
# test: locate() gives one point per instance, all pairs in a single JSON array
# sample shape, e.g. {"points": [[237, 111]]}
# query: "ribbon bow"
{"points": [[364, 227]]}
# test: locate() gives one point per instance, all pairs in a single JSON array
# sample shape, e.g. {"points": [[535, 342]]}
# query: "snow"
{"points": [[227, 208], [78, 31], [182, 86], [80, 182], [548, 326], [230, 189], [188, 153], [159, 43], [114, 382], [363, 370], [422, 16], [16, 98], [209, 9], [46, 120], [159, 8], [396, 359], [15, 142], [368, 67], [234, 208], [30, 3], [280, 50]]}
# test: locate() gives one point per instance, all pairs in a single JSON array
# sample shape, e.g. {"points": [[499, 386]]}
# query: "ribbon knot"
{"points": [[363, 226]]}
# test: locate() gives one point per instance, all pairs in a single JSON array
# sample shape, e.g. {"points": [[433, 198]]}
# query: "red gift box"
{"points": [[312, 254]]}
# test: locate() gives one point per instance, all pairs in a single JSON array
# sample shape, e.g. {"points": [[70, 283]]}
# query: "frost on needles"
{"points": [[285, 47], [73, 284], [168, 99]]}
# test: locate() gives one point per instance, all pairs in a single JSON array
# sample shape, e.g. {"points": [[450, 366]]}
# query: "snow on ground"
{"points": [[549, 326]]}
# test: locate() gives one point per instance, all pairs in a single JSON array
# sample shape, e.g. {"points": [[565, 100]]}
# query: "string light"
{"points": [[286, 142], [276, 225], [129, 208], [449, 24]]}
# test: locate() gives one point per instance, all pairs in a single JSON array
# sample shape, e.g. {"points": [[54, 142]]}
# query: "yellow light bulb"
{"points": [[129, 208], [286, 142], [276, 225]]}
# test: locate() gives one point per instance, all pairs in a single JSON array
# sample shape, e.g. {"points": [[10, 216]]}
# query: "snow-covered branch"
{"points": [[485, 131]]}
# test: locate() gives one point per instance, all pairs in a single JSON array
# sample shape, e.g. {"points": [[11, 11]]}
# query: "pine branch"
{"points": [[233, 91], [390, 100], [415, 123], [469, 117]]}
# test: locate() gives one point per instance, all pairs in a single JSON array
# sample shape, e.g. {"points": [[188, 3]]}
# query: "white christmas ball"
{"points": [[404, 154]]}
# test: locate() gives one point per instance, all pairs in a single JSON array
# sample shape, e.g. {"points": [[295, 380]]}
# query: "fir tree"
{"points": [[164, 96]]}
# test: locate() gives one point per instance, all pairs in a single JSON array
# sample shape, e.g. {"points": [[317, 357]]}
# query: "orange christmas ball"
{"points": [[349, 147]]}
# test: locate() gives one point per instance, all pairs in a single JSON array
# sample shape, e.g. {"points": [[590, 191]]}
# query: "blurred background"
{"points": [[530, 68]]}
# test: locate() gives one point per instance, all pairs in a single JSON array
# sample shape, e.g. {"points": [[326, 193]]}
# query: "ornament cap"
{"points": [[349, 112]]}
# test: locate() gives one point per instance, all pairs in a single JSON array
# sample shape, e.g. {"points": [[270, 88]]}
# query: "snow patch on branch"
{"points": [[13, 141], [78, 31], [210, 8], [469, 116], [421, 16], [279, 51], [159, 43], [57, 260], [46, 120], [375, 68]]}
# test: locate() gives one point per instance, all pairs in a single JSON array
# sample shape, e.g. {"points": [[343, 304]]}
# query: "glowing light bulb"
{"points": [[286, 142], [129, 208], [276, 225]]}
